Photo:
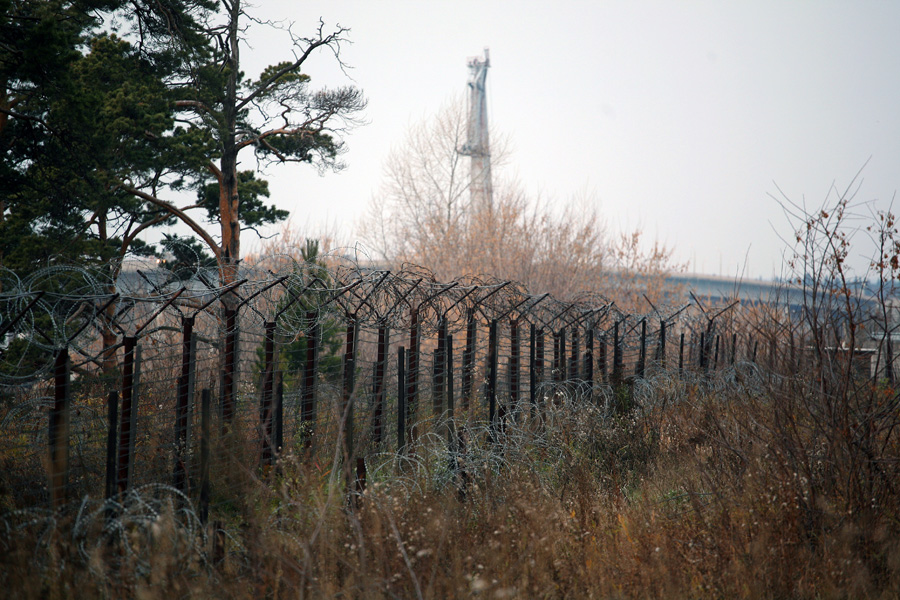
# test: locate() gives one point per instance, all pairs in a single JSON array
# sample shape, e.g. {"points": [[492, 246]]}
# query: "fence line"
{"points": [[302, 359]]}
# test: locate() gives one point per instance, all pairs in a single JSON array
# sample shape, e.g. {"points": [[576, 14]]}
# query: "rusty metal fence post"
{"points": [[129, 413], [401, 399], [112, 418], [554, 366], [279, 412], [380, 389], [563, 362], [492, 360], [439, 367], [349, 381], [183, 403], [641, 369], [589, 361], [514, 366], [58, 429], [266, 403], [703, 357], [412, 372], [451, 402], [310, 370], [660, 356], [573, 355], [733, 348], [539, 364], [205, 428], [532, 369], [229, 367], [468, 373], [618, 368], [716, 355], [601, 358]]}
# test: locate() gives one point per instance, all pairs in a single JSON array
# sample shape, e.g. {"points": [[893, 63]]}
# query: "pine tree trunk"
{"points": [[228, 180]]}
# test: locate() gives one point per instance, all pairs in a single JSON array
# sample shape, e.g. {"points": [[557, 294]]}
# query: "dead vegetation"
{"points": [[775, 479]]}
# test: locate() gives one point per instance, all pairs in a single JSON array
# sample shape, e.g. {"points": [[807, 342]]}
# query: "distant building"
{"points": [[877, 341]]}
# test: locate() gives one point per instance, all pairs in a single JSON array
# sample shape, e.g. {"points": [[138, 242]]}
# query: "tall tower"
{"points": [[478, 145]]}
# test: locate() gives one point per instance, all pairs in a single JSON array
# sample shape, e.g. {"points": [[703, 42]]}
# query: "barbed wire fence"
{"points": [[113, 385]]}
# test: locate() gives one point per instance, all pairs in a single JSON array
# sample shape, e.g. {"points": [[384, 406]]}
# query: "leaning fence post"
{"points": [[58, 431], [681, 354], [129, 412]]}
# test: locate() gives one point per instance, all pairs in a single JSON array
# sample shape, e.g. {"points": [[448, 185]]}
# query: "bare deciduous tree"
{"points": [[424, 214]]}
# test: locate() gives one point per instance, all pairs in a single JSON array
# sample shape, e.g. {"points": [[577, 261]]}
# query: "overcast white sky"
{"points": [[680, 117]]}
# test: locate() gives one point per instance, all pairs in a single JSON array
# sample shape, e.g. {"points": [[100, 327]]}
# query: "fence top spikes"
{"points": [[511, 309], [461, 298], [297, 296], [261, 290], [365, 300], [443, 289], [540, 299], [671, 317], [159, 311], [219, 293]]}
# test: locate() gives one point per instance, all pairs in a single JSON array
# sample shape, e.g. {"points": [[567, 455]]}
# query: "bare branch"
{"points": [[313, 44], [186, 219]]}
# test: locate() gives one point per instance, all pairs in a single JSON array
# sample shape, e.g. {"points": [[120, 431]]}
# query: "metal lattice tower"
{"points": [[478, 145]]}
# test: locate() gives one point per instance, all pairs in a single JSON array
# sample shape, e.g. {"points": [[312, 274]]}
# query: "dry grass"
{"points": [[738, 486]]}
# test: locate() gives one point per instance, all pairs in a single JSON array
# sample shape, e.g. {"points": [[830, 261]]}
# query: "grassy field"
{"points": [[746, 484]]}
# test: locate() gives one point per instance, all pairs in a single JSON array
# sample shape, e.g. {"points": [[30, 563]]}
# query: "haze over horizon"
{"points": [[682, 119]]}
